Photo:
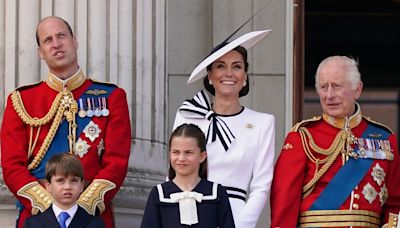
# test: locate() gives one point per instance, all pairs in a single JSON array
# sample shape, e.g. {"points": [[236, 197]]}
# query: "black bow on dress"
{"points": [[200, 107]]}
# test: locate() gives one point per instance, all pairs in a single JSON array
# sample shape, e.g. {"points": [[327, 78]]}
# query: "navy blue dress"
{"points": [[213, 211]]}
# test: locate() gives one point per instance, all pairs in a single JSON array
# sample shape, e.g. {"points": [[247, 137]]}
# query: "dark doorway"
{"points": [[368, 30]]}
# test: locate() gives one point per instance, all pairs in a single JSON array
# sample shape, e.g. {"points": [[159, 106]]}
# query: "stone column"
{"points": [[148, 163], [122, 42]]}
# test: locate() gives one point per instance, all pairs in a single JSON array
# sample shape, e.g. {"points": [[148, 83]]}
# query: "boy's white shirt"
{"points": [[71, 211]]}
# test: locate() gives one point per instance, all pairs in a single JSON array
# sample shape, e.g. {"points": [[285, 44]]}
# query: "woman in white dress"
{"points": [[240, 141]]}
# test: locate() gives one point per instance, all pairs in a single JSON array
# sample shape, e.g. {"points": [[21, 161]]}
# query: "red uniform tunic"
{"points": [[106, 159], [294, 169]]}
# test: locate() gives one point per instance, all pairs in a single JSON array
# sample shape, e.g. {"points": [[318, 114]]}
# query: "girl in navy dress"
{"points": [[188, 199]]}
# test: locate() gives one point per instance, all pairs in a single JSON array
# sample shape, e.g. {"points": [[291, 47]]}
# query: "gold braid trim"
{"points": [[40, 198], [26, 118], [93, 196], [63, 105], [47, 140], [339, 144], [393, 221], [339, 218]]}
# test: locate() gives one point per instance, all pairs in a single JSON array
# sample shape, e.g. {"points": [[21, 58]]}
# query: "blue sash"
{"points": [[60, 141], [349, 176]]}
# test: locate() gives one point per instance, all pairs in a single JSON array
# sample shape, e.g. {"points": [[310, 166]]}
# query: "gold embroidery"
{"points": [[96, 92], [40, 198], [288, 146], [93, 196]]}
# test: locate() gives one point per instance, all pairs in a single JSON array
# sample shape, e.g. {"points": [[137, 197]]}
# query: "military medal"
{"points": [[378, 174], [383, 195], [82, 112], [81, 148], [92, 131], [97, 111], [104, 110], [100, 147], [369, 193], [89, 112], [361, 147]]}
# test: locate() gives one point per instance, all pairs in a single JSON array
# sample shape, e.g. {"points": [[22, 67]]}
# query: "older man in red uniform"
{"points": [[66, 113], [340, 169]]}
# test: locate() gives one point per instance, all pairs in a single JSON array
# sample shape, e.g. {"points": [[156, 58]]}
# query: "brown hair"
{"points": [[191, 131], [65, 22], [243, 52], [64, 164]]}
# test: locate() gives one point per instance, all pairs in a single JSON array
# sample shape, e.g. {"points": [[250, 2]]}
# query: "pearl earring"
{"points": [[210, 82], [244, 83]]}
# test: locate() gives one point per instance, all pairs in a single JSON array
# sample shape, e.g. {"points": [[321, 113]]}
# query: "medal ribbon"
{"points": [[347, 178], [60, 141]]}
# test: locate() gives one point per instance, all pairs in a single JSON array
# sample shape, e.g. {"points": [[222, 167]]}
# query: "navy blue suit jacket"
{"points": [[48, 219]]}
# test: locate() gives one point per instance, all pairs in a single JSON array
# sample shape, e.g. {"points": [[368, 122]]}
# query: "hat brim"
{"points": [[247, 41]]}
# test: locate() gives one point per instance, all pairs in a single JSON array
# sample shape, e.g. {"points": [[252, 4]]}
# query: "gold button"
{"points": [[356, 196], [355, 206]]}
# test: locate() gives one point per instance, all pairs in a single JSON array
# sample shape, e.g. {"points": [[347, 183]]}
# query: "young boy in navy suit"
{"points": [[64, 181]]}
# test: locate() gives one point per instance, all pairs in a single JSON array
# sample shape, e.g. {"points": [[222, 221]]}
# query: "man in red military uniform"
{"points": [[340, 169], [66, 113]]}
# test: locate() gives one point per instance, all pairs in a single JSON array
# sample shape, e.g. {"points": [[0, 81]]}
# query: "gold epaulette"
{"points": [[40, 198], [296, 127], [93, 196], [379, 124]]}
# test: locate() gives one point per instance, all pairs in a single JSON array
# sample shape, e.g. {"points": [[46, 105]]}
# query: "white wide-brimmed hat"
{"points": [[247, 41]]}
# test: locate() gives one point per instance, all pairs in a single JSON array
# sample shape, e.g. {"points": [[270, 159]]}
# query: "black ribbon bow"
{"points": [[200, 107]]}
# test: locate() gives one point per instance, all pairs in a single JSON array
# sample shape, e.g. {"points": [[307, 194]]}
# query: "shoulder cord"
{"points": [[63, 105], [338, 145]]}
